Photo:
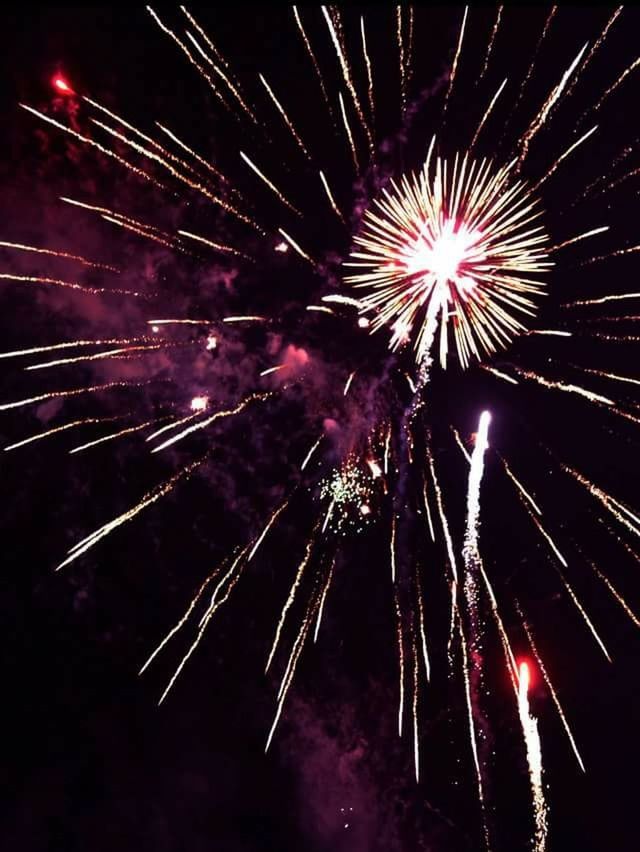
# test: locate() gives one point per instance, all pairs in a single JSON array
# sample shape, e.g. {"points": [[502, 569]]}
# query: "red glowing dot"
{"points": [[61, 85]]}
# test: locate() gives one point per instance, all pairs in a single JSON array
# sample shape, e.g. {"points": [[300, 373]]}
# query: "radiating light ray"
{"points": [[400, 39], [338, 299], [332, 200], [615, 594], [414, 706], [180, 321], [174, 424], [550, 171], [294, 245], [520, 487], [71, 285], [504, 376], [367, 63], [550, 687], [540, 119], [348, 383], [398, 612], [421, 622], [203, 162], [292, 594], [617, 253], [312, 450], [562, 386], [488, 110], [454, 65], [392, 547], [84, 421], [443, 518], [509, 657], [613, 376], [580, 237], [619, 511], [426, 506], [92, 143], [72, 344], [323, 598], [492, 39], [73, 392], [409, 51], [534, 759], [217, 246], [269, 183], [549, 332], [214, 50], [458, 439], [545, 30], [347, 127], [344, 66], [285, 117], [596, 46], [320, 309], [312, 56], [128, 431], [207, 421], [148, 499], [270, 370], [99, 356], [64, 255], [248, 318], [615, 85], [601, 301]]}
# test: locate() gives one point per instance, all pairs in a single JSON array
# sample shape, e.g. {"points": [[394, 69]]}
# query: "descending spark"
{"points": [[487, 112], [347, 77], [615, 593], [285, 117], [492, 39], [597, 45], [617, 253], [534, 758], [352, 145], [454, 66], [247, 318], [291, 596], [294, 245], [398, 612], [173, 425], [211, 244], [567, 388], [56, 429], [619, 511], [270, 370], [57, 282], [548, 105], [443, 518], [332, 201], [202, 424], [500, 374], [178, 322], [61, 254], [73, 392], [403, 82], [114, 435], [91, 142], [427, 509], [551, 689], [423, 634], [545, 29], [520, 487], [323, 597], [414, 706], [409, 62], [615, 85], [367, 62], [392, 547], [584, 236], [312, 56], [348, 383], [98, 356], [562, 157], [195, 155], [549, 332], [148, 499]]}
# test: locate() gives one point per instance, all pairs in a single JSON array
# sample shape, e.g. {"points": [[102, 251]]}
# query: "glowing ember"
{"points": [[61, 85], [199, 403]]}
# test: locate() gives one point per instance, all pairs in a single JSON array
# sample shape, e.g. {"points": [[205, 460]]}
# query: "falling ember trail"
{"points": [[534, 758]]}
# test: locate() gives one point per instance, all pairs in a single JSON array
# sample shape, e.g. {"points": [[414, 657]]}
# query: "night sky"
{"points": [[87, 759]]}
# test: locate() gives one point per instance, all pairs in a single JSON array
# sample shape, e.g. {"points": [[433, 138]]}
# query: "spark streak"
{"points": [[64, 255], [285, 117], [534, 758], [73, 392], [492, 39], [332, 200], [128, 431], [56, 429], [487, 112], [454, 66]]}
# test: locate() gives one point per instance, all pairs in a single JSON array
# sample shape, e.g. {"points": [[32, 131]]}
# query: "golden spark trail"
{"points": [[91, 142], [551, 689], [617, 253], [499, 374], [100, 355], [426, 506], [398, 612], [549, 332], [615, 507], [347, 78], [202, 424], [178, 322], [111, 437], [492, 39], [60, 254], [56, 429], [71, 285], [348, 383], [597, 45], [206, 38], [307, 458], [613, 376], [285, 117], [602, 300], [423, 634], [148, 234], [548, 105], [392, 546], [520, 486], [367, 62], [148, 499], [534, 758], [314, 61], [403, 82], [578, 238], [322, 600], [291, 596], [332, 201], [510, 659], [245, 319], [73, 392], [567, 388], [414, 706], [454, 66], [271, 185], [345, 300], [443, 518], [196, 156], [487, 112], [562, 157], [270, 370], [615, 85], [294, 245], [172, 425], [409, 62], [545, 29], [463, 449], [320, 309], [347, 128], [211, 244], [71, 344], [615, 594]]}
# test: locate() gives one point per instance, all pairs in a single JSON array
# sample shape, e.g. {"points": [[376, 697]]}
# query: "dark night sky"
{"points": [[87, 760]]}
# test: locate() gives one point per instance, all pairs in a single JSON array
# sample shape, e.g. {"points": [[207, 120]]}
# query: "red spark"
{"points": [[61, 86]]}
